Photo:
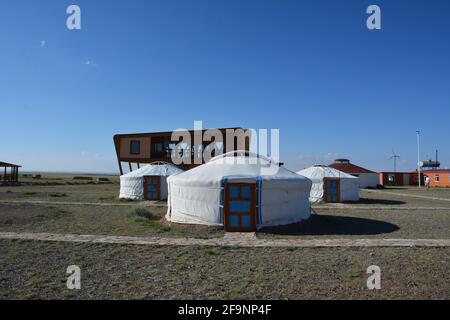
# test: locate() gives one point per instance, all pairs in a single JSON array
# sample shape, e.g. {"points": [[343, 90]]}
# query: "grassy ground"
{"points": [[37, 270], [354, 223], [383, 222], [107, 220], [48, 178], [105, 193]]}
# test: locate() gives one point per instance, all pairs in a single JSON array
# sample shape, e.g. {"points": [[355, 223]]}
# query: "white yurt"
{"points": [[239, 190], [331, 185], [148, 182]]}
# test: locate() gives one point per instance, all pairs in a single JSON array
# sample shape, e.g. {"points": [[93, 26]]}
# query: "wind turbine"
{"points": [[395, 157]]}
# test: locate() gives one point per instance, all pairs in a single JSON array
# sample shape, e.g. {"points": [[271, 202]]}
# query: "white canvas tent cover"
{"points": [[349, 185], [132, 183], [196, 196]]}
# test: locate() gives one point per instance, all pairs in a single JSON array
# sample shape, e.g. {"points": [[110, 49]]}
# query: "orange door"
{"points": [[152, 187], [331, 190], [240, 207]]}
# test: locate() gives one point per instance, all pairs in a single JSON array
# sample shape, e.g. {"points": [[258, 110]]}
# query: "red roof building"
{"points": [[367, 178], [344, 165]]}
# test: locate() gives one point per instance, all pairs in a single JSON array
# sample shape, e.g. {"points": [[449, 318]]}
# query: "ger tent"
{"points": [[239, 190], [331, 185], [148, 182]]}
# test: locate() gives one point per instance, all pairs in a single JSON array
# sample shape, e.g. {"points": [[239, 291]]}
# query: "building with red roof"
{"points": [[367, 178]]}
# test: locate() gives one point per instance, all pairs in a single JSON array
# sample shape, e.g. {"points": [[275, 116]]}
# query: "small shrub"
{"points": [[140, 214], [82, 178], [57, 195], [106, 198]]}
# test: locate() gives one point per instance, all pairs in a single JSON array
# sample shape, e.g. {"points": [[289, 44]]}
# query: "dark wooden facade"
{"points": [[144, 148], [9, 173]]}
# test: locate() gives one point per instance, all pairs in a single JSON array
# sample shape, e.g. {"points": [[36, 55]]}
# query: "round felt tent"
{"points": [[239, 190], [331, 185], [148, 182]]}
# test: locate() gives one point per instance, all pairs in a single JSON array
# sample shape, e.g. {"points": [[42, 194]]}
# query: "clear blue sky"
{"points": [[310, 68]]}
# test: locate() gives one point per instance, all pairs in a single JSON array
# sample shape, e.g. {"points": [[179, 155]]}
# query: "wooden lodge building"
{"points": [[145, 148]]}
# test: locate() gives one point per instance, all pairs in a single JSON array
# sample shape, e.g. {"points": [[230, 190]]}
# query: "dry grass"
{"points": [[37, 270]]}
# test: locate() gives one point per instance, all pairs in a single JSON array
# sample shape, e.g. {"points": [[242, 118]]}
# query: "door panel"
{"points": [[331, 190], [152, 187], [240, 207]]}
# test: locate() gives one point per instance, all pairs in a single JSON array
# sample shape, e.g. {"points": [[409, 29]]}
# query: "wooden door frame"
{"points": [[158, 187], [338, 189], [253, 204]]}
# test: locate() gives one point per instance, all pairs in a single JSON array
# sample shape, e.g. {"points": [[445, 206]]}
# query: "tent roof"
{"points": [[236, 164], [348, 167], [160, 169], [320, 172]]}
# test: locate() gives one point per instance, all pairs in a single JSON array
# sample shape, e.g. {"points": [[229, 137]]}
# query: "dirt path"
{"points": [[163, 204], [409, 195], [227, 241], [387, 207], [106, 204]]}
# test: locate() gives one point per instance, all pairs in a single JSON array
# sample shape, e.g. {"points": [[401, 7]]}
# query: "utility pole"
{"points": [[418, 156]]}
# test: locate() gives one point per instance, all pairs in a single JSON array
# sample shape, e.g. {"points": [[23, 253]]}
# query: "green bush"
{"points": [[140, 214], [58, 195], [82, 178]]}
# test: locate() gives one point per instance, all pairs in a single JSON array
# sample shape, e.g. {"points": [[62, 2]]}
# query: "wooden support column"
{"points": [[120, 166]]}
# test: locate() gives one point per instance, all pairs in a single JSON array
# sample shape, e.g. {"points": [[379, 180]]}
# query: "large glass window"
{"points": [[135, 147]]}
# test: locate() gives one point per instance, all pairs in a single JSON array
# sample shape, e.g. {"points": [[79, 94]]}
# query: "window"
{"points": [[158, 149], [436, 178], [135, 147], [449, 178]]}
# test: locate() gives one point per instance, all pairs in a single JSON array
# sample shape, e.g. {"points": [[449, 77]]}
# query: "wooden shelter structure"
{"points": [[10, 173]]}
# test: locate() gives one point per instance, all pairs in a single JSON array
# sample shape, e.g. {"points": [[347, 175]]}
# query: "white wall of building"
{"points": [[368, 179]]}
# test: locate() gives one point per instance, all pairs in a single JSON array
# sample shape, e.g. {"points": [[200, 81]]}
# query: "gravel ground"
{"points": [[37, 270]]}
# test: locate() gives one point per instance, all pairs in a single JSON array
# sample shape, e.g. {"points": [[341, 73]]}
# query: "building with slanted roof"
{"points": [[367, 178], [145, 148]]}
